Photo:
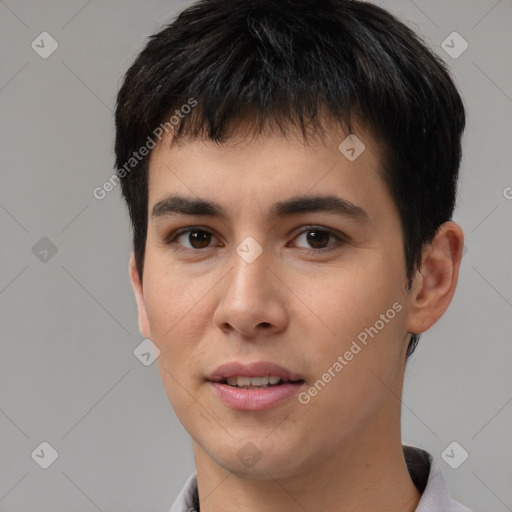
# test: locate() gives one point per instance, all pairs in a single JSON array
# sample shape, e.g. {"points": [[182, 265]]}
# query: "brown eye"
{"points": [[199, 239], [191, 239], [317, 240]]}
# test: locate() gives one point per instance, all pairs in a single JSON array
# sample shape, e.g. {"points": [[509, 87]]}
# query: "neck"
{"points": [[367, 474]]}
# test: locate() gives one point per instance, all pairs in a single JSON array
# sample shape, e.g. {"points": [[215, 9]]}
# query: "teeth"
{"points": [[252, 381]]}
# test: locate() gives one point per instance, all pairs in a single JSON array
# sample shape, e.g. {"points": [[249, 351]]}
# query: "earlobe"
{"points": [[139, 298], [435, 283]]}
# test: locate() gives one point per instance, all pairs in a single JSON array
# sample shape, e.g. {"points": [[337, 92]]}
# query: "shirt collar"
{"points": [[424, 471]]}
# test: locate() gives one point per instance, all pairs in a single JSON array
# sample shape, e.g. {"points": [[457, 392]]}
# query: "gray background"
{"points": [[68, 374]]}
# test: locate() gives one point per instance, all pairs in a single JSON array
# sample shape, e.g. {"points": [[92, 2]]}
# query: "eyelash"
{"points": [[339, 239]]}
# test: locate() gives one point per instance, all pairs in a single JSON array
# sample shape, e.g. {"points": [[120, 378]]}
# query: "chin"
{"points": [[245, 460]]}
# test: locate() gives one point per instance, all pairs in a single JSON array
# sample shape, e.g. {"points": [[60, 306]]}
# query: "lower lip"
{"points": [[255, 399]]}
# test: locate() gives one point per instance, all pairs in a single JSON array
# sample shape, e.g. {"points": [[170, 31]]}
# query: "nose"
{"points": [[251, 299]]}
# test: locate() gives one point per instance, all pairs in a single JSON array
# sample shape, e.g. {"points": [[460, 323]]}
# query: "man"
{"points": [[290, 171]]}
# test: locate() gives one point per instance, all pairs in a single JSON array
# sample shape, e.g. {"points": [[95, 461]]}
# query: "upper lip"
{"points": [[255, 369]]}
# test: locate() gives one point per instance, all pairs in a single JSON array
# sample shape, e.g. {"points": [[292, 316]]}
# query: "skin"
{"points": [[342, 451]]}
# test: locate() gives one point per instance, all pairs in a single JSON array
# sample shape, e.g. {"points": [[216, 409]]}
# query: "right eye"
{"points": [[197, 239]]}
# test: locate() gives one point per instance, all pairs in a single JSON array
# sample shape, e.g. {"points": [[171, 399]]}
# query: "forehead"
{"points": [[268, 170]]}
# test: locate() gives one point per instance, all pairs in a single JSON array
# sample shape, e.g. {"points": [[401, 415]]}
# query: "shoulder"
{"points": [[426, 475], [188, 498]]}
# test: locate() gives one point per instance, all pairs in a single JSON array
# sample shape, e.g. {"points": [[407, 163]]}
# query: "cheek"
{"points": [[172, 303], [354, 371], [360, 318], [170, 294], [349, 300], [176, 329]]}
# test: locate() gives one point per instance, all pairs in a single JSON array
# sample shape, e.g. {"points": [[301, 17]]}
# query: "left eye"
{"points": [[318, 238]]}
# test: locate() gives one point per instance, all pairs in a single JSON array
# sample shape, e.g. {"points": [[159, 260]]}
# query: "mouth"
{"points": [[270, 381], [255, 386], [256, 374]]}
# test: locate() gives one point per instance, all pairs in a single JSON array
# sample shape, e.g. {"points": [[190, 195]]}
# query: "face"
{"points": [[270, 271]]}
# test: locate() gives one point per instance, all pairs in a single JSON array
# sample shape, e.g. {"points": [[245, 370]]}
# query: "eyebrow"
{"points": [[180, 205]]}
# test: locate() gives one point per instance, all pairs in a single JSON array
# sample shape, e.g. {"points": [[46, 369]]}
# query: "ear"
{"points": [[434, 284], [139, 297]]}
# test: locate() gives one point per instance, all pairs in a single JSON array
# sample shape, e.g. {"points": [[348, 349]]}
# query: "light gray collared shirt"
{"points": [[423, 469]]}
